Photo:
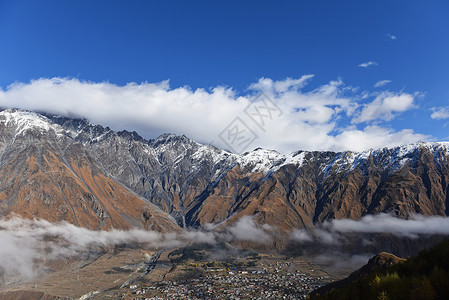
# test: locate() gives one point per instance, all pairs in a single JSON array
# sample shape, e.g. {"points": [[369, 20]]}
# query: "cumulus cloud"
{"points": [[385, 107], [368, 64], [373, 136], [382, 83], [309, 118], [440, 113]]}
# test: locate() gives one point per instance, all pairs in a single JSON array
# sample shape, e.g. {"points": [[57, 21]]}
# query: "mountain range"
{"points": [[60, 168]]}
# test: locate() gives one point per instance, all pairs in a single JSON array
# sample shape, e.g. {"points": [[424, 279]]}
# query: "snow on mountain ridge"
{"points": [[258, 160], [27, 120]]}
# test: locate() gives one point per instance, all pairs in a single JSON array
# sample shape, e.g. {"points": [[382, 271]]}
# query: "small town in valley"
{"points": [[255, 276]]}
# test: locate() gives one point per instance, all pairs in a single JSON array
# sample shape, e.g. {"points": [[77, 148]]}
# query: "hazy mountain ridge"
{"points": [[199, 184]]}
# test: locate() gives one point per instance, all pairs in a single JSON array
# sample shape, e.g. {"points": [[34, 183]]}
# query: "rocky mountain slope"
{"points": [[45, 174], [96, 177]]}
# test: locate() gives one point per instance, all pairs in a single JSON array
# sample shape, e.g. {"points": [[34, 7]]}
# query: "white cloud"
{"points": [[385, 107], [333, 232], [282, 86], [440, 113], [386, 223], [382, 83], [27, 244], [368, 64], [391, 36], [373, 136], [301, 235], [246, 229], [310, 119]]}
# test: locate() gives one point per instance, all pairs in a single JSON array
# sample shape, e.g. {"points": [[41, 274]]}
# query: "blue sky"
{"points": [[233, 44]]}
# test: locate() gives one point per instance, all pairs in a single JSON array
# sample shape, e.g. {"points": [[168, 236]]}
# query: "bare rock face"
{"points": [[61, 168]]}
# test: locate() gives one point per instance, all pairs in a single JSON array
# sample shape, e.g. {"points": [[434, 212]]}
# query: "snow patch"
{"points": [[26, 120]]}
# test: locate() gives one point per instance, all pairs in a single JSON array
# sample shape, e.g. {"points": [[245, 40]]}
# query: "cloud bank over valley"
{"points": [[27, 245]]}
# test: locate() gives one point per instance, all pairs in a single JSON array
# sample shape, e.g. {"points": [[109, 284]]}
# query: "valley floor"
{"points": [[191, 272]]}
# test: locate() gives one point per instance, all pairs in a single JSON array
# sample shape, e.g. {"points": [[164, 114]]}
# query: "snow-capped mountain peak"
{"points": [[26, 120]]}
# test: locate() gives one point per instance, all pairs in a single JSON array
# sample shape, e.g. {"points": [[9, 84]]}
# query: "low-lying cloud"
{"points": [[332, 232], [27, 244], [332, 116], [246, 229], [385, 223], [347, 244]]}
